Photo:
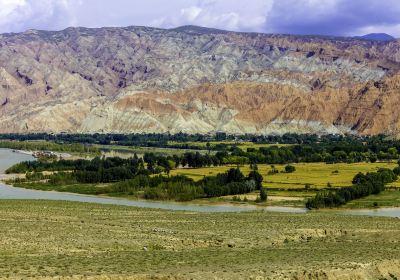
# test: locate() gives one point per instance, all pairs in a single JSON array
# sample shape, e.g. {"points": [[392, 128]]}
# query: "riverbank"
{"points": [[208, 206], [10, 192], [36, 153], [387, 199]]}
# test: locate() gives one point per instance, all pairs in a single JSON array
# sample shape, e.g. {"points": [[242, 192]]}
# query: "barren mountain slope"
{"points": [[193, 79]]}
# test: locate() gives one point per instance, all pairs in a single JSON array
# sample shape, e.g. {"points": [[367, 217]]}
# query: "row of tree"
{"points": [[162, 139], [232, 182], [363, 185], [97, 170], [305, 148], [312, 153], [180, 188], [121, 168]]}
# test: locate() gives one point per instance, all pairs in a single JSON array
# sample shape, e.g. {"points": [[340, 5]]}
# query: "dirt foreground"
{"points": [[66, 240]]}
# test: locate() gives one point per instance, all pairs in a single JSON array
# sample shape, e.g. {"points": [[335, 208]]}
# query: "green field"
{"points": [[317, 175], [388, 198], [54, 239]]}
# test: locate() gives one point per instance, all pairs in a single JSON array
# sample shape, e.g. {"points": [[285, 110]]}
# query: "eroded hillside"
{"points": [[192, 79]]}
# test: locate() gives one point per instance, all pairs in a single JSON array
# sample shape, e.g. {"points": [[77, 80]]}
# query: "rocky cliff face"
{"points": [[193, 79]]}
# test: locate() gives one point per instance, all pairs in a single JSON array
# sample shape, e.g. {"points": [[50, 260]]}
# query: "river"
{"points": [[9, 158]]}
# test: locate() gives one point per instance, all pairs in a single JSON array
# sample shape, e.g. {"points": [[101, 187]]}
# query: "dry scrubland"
{"points": [[62, 239], [317, 175]]}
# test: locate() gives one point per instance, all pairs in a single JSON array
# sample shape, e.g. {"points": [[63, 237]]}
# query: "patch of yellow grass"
{"points": [[394, 184], [317, 175]]}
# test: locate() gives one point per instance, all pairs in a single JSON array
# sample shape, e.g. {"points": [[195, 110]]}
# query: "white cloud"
{"points": [[19, 15], [224, 14], [191, 13], [334, 17]]}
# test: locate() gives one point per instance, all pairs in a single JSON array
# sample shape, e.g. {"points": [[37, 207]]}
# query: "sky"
{"points": [[322, 17]]}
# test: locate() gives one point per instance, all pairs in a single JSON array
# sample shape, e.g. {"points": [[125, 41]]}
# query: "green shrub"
{"points": [[155, 194], [263, 195], [290, 169], [183, 192]]}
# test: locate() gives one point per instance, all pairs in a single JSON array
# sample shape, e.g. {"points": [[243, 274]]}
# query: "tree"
{"points": [[392, 151], [340, 156], [253, 166], [234, 175], [263, 195], [373, 158], [208, 145], [396, 170], [169, 166], [290, 169], [257, 178]]}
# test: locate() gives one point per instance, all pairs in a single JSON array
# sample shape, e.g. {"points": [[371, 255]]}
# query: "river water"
{"points": [[8, 192], [9, 158], [382, 212]]}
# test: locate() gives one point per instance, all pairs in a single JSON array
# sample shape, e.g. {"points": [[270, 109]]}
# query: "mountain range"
{"points": [[197, 80]]}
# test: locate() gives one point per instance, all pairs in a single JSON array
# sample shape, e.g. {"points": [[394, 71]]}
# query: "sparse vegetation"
{"points": [[56, 239]]}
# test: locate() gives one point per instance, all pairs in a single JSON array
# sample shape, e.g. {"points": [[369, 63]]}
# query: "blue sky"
{"points": [[325, 17]]}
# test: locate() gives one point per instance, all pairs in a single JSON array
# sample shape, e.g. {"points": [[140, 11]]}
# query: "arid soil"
{"points": [[64, 240]]}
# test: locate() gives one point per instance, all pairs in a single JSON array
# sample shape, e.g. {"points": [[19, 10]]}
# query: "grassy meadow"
{"points": [[68, 240], [316, 175]]}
